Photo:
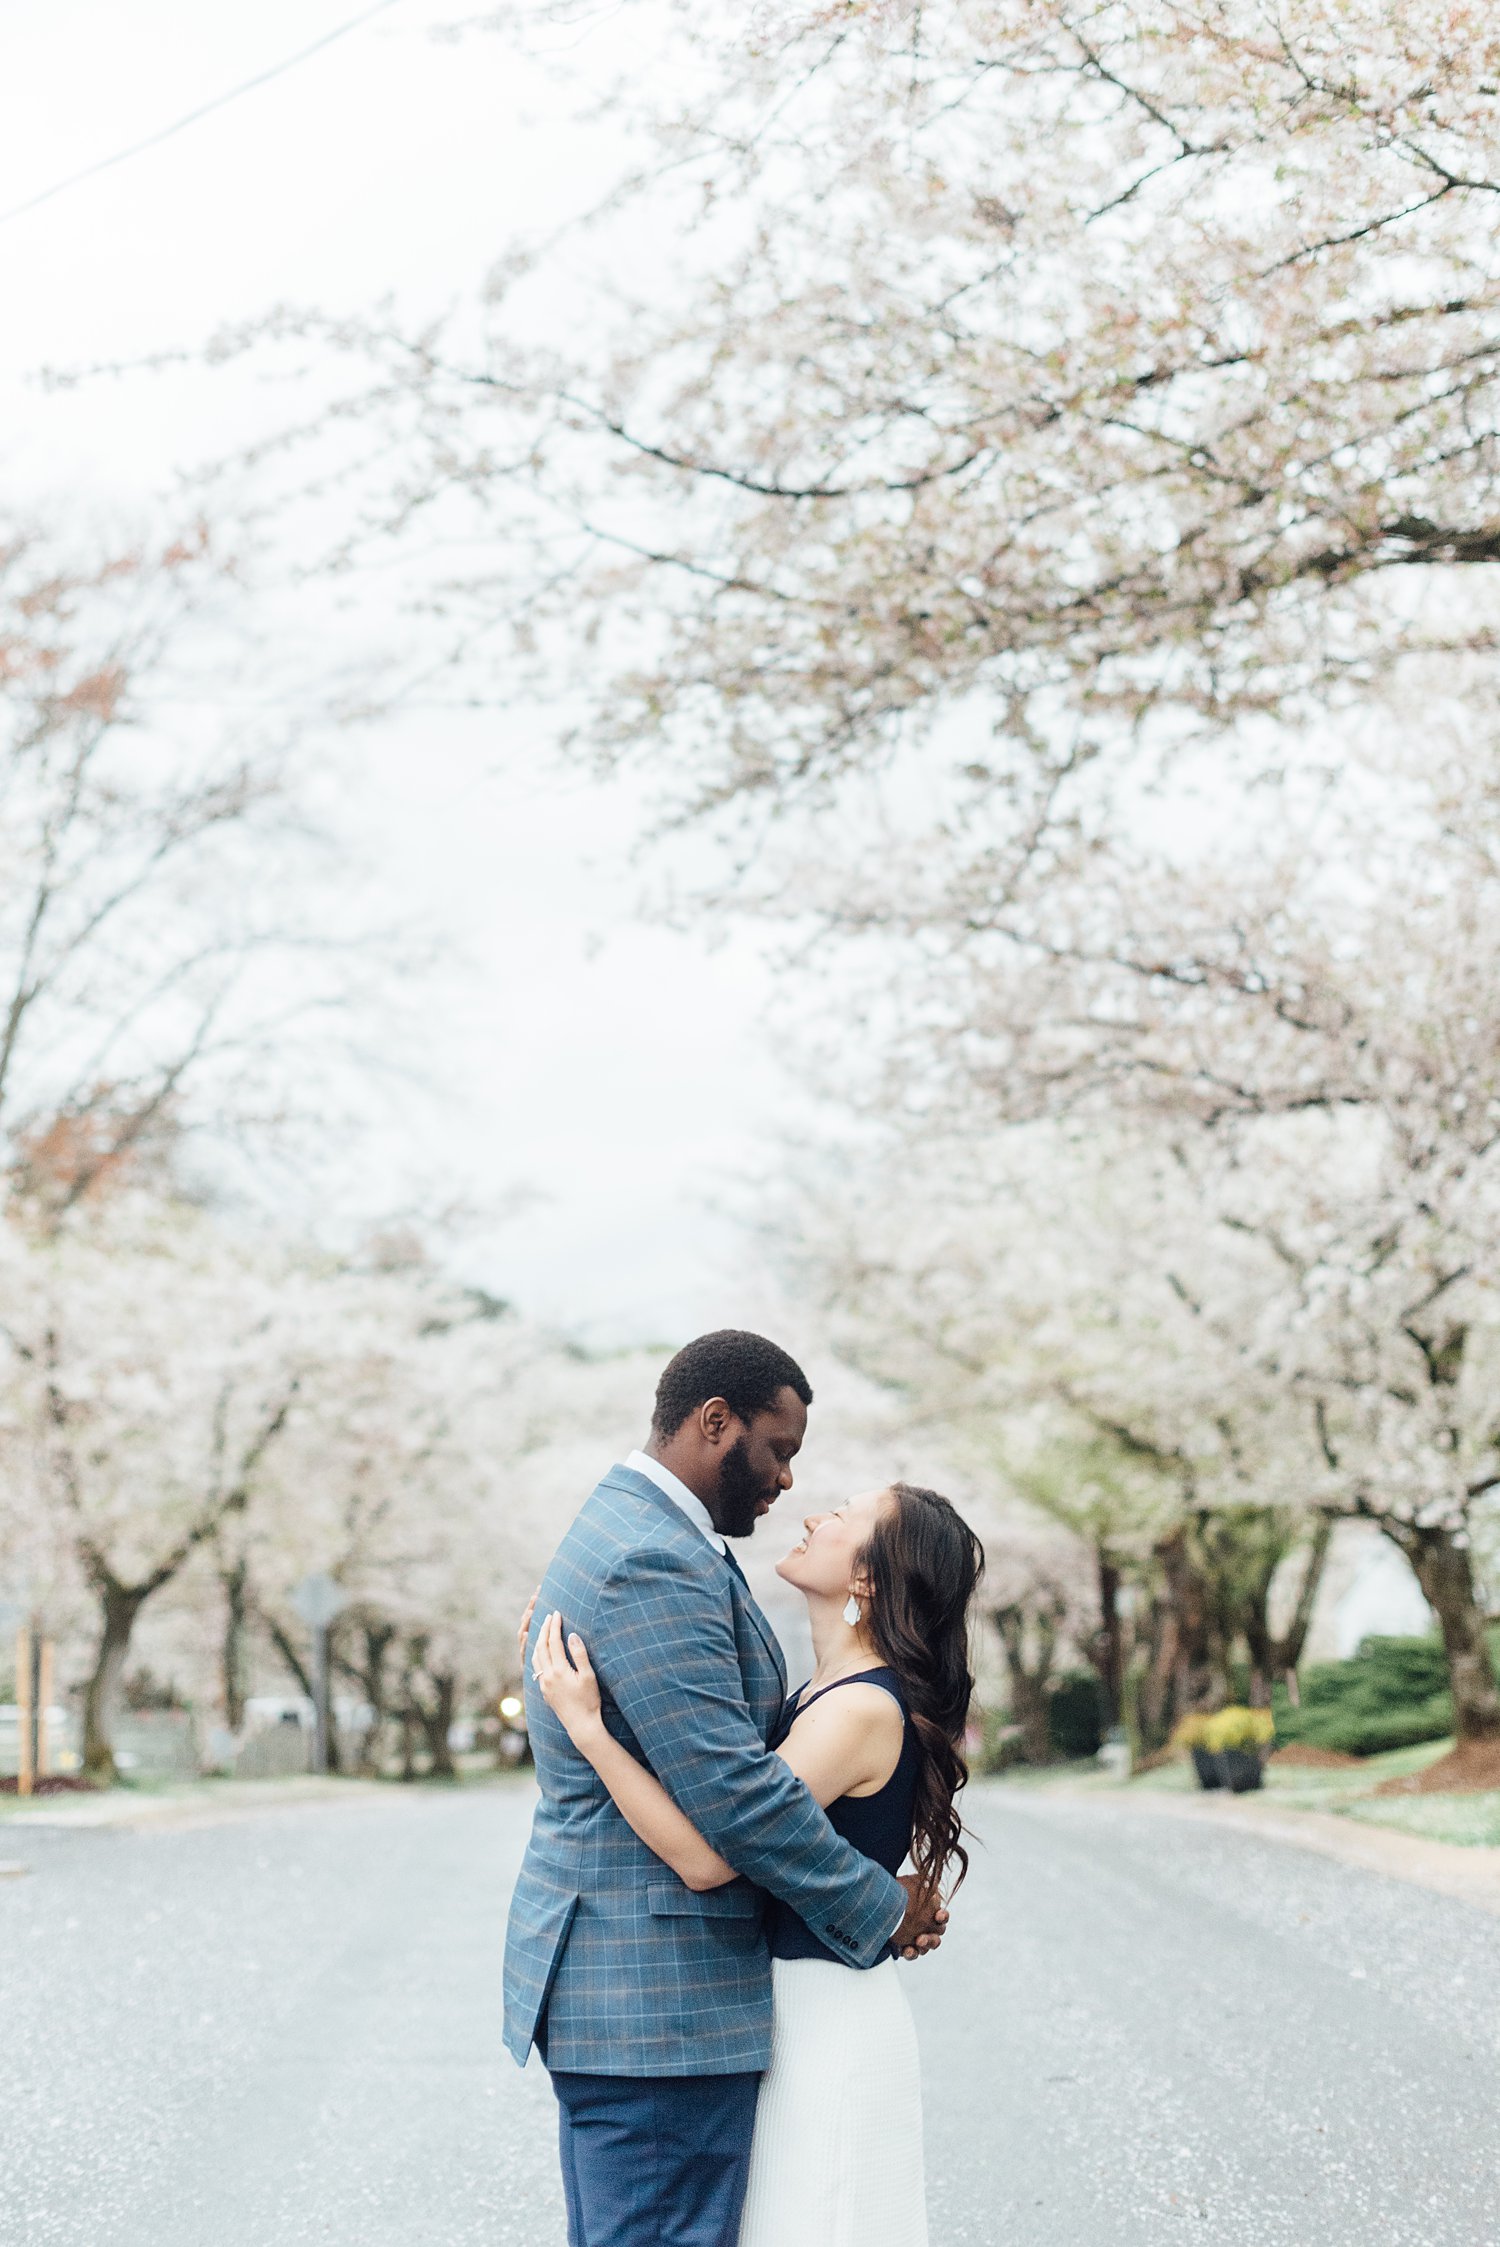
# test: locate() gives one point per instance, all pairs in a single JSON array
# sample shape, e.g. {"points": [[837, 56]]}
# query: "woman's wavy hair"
{"points": [[924, 1562]]}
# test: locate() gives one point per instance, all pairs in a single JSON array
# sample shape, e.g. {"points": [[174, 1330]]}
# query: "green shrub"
{"points": [[1073, 1714], [1393, 1694]]}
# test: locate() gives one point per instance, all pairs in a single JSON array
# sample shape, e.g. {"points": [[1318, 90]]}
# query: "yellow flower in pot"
{"points": [[1237, 1738], [1238, 1728], [1225, 1745]]}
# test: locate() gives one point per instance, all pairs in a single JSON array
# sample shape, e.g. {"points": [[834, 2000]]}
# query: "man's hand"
{"points": [[924, 1925]]}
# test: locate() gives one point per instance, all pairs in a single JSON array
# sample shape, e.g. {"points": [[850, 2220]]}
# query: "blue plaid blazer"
{"points": [[636, 1974]]}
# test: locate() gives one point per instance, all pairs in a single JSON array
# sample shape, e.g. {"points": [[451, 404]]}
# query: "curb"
{"points": [[121, 1811], [1469, 1874]]}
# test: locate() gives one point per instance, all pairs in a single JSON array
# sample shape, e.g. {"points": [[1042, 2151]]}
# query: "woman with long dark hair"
{"points": [[876, 1735]]}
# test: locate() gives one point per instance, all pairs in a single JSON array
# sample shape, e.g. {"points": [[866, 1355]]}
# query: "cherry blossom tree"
{"points": [[1043, 1297], [1308, 1012], [163, 946], [422, 1402], [152, 1361], [1263, 1270], [196, 1410], [1095, 378]]}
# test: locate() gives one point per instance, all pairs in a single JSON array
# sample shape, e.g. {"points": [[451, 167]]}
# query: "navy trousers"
{"points": [[655, 2161]]}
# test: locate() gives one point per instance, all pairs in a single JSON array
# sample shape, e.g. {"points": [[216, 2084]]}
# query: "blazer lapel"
{"points": [[768, 1638], [641, 1486]]}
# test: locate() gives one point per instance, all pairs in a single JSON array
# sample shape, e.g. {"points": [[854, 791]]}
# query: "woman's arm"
{"points": [[846, 1743], [571, 1691]]}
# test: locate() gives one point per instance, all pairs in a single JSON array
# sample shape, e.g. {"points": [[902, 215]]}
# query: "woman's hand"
{"points": [[525, 1631], [569, 1688]]}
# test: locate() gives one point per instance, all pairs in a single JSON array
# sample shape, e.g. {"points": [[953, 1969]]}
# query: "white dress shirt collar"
{"points": [[679, 1493]]}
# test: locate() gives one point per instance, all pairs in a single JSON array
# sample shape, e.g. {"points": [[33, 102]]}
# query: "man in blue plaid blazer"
{"points": [[650, 2003]]}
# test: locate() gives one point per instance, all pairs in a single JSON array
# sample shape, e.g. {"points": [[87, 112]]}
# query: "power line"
{"points": [[154, 140]]}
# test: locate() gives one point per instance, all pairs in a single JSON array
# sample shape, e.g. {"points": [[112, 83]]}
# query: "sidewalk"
{"points": [[202, 1802], [1472, 1875]]}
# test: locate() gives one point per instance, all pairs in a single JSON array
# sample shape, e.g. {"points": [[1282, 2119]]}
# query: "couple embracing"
{"points": [[703, 1937]]}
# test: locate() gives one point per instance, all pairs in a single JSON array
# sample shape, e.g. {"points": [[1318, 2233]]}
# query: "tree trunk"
{"points": [[1186, 1670], [1445, 1570], [1111, 1658], [1255, 1623], [236, 1619], [1217, 1556], [435, 1719], [368, 1673], [1153, 1689], [1028, 1708], [1288, 1651], [119, 1605], [1029, 1679]]}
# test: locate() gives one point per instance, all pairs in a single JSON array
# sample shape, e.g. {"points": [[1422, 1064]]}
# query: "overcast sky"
{"points": [[618, 1071]]}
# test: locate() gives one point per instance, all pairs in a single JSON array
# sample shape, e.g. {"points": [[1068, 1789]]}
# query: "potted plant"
{"points": [[1237, 1739], [1227, 1747], [1191, 1733]]}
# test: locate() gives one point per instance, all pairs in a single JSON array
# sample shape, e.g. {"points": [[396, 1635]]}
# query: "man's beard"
{"points": [[739, 1493]]}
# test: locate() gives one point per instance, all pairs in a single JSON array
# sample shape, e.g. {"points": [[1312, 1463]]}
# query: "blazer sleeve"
{"points": [[664, 1648]]}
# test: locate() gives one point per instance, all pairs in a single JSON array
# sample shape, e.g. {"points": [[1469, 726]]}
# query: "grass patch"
{"points": [[1470, 1820], [1298, 1789]]}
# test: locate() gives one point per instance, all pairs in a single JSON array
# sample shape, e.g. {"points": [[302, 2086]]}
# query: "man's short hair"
{"points": [[746, 1370]]}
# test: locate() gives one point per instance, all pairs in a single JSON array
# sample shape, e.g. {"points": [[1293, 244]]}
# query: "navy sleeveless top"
{"points": [[878, 1825]]}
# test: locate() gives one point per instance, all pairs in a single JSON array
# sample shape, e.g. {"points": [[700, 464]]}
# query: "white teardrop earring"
{"points": [[851, 1610]]}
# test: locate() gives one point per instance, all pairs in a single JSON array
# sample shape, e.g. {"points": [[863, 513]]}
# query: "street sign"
{"points": [[318, 1599]]}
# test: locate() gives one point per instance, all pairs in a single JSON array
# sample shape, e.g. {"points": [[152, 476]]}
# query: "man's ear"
{"points": [[716, 1420]]}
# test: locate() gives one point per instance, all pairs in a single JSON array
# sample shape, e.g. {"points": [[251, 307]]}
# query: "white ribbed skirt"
{"points": [[837, 2159]]}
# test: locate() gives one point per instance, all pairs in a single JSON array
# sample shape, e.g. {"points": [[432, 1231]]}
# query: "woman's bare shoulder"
{"points": [[856, 1714]]}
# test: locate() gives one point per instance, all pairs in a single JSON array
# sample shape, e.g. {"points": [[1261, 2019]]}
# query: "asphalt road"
{"points": [[284, 2029]]}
